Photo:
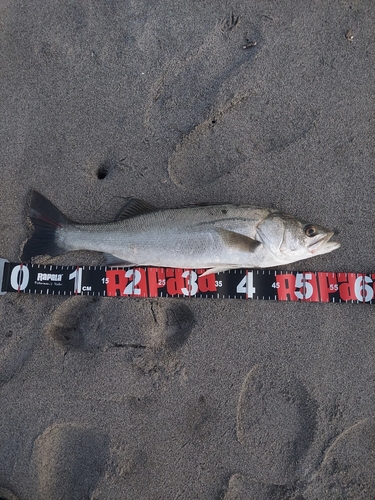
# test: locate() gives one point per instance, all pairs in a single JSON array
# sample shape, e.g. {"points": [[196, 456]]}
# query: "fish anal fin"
{"points": [[134, 207], [238, 241]]}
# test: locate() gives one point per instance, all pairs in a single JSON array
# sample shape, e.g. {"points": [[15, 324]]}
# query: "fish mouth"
{"points": [[323, 245]]}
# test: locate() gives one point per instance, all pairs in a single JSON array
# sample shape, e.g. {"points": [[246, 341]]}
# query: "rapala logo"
{"points": [[49, 277]]}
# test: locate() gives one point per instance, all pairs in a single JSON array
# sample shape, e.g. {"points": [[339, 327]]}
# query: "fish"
{"points": [[214, 237]]}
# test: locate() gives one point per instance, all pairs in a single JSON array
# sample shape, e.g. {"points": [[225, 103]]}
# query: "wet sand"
{"points": [[267, 103]]}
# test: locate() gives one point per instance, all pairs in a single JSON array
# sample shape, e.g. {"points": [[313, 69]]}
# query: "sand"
{"points": [[167, 399]]}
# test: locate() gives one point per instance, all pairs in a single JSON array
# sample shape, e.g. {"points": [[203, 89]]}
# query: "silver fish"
{"points": [[212, 237]]}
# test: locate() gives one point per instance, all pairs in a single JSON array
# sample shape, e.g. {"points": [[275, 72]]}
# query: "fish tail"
{"points": [[47, 220]]}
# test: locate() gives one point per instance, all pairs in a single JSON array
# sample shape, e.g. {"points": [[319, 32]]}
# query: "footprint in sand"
{"points": [[72, 324], [276, 421], [16, 341], [201, 417], [193, 94], [172, 326], [92, 323], [188, 86], [179, 321], [200, 97], [70, 459], [218, 154], [267, 127], [347, 470]]}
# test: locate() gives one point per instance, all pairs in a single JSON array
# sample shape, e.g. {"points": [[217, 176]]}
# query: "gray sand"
{"points": [[188, 399]]}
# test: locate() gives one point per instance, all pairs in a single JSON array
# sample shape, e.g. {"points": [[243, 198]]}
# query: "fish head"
{"points": [[290, 239]]}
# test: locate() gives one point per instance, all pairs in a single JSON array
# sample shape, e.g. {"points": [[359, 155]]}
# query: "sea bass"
{"points": [[212, 237]]}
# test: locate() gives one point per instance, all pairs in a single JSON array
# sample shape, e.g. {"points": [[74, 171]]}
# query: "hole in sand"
{"points": [[102, 172]]}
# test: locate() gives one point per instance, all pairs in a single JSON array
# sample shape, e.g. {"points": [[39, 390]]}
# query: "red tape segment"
{"points": [[263, 284]]}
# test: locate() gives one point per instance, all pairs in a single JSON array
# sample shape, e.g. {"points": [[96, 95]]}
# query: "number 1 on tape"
{"points": [[77, 277]]}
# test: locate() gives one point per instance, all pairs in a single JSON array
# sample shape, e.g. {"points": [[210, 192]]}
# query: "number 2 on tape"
{"points": [[132, 282], [130, 288]]}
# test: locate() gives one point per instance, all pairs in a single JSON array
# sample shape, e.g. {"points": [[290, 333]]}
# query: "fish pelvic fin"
{"points": [[112, 260], [46, 219], [214, 270]]}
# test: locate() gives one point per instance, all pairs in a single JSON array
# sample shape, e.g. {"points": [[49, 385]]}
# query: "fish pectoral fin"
{"points": [[112, 260], [134, 207], [238, 241]]}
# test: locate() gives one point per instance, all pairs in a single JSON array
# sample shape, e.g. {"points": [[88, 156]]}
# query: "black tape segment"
{"points": [[263, 284]]}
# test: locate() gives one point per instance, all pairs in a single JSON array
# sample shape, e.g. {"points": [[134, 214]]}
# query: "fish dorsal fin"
{"points": [[238, 241], [134, 207]]}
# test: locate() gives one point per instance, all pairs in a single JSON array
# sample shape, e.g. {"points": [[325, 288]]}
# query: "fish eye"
{"points": [[310, 230]]}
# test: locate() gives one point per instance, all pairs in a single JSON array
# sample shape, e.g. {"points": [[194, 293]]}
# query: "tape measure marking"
{"points": [[265, 284]]}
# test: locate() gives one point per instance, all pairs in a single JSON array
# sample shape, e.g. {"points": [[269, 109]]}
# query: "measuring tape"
{"points": [[263, 284]]}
